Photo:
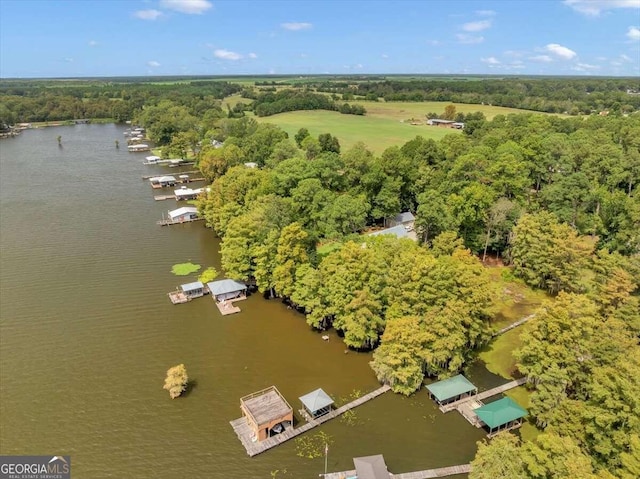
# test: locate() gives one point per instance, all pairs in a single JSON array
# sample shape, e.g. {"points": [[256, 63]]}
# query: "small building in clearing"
{"points": [[266, 412], [186, 213], [406, 219], [225, 289], [317, 403], [371, 467], [501, 415], [452, 389], [400, 231]]}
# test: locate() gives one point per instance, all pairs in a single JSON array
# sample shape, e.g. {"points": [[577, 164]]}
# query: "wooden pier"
{"points": [[169, 221], [227, 307], [426, 474], [483, 395], [514, 325], [164, 197], [146, 177], [244, 433]]}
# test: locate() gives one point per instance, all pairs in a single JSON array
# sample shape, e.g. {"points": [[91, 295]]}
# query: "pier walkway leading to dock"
{"points": [[483, 395], [514, 325], [426, 474], [244, 432]]}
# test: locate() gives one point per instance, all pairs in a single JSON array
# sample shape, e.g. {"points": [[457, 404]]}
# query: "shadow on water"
{"points": [[191, 385]]}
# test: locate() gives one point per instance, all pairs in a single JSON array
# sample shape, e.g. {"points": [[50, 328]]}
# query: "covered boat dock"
{"points": [[502, 415], [266, 413], [315, 404], [451, 390], [186, 292], [225, 292]]}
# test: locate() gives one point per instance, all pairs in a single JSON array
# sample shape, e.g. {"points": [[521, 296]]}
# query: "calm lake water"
{"points": [[87, 334]]}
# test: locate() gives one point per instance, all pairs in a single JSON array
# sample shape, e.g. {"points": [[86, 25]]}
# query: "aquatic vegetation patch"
{"points": [[208, 275], [183, 269], [311, 447]]}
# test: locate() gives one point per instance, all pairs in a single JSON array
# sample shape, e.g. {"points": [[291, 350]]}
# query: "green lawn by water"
{"points": [[377, 133]]}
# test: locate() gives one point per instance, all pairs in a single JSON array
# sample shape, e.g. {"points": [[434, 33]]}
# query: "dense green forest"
{"points": [[555, 198], [32, 101]]}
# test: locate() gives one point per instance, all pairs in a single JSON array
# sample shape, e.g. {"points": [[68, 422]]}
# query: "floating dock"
{"points": [[426, 474], [169, 221], [244, 432], [164, 197]]}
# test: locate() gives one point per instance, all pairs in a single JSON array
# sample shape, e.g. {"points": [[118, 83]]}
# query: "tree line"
{"points": [[552, 95], [272, 103], [55, 100]]}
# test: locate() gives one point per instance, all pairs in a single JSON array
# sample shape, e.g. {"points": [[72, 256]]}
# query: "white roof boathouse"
{"points": [[224, 292]]}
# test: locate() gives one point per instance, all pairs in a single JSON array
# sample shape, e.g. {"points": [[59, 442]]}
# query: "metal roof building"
{"points": [[400, 231], [317, 402], [226, 289], [371, 467], [503, 414], [451, 389]]}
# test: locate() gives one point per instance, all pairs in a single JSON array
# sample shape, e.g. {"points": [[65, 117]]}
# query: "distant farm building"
{"points": [[446, 123]]}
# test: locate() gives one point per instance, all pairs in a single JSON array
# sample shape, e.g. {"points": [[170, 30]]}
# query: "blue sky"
{"points": [[200, 37]]}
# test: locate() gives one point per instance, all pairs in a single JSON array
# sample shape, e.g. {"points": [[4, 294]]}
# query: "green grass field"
{"points": [[376, 132], [399, 110], [384, 125]]}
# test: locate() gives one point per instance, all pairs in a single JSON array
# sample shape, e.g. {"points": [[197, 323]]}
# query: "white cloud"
{"points": [[68, 60], [468, 39], [295, 26], [513, 53], [226, 54], [153, 64], [541, 58], [93, 43], [359, 66], [252, 55], [633, 33], [490, 61], [485, 13], [384, 55], [585, 67], [477, 26], [560, 51], [594, 8], [191, 7], [625, 58], [434, 43], [148, 14]]}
